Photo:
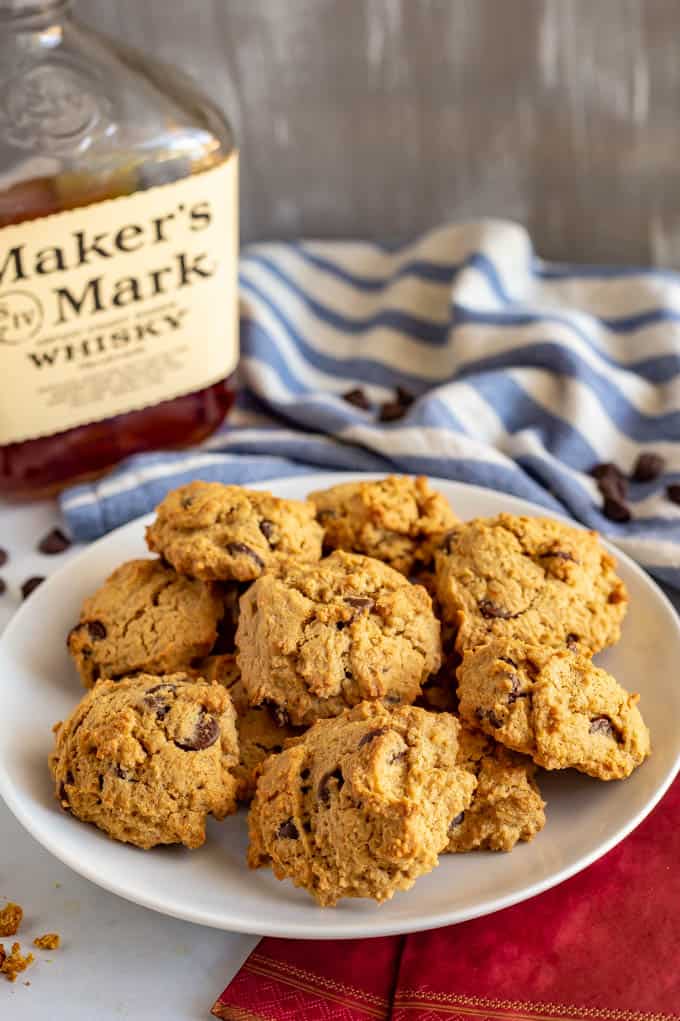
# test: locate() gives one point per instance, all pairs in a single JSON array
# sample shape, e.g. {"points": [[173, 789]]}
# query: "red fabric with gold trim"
{"points": [[304, 980], [603, 946]]}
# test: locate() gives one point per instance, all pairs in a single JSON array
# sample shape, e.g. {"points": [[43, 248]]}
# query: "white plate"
{"points": [[212, 886]]}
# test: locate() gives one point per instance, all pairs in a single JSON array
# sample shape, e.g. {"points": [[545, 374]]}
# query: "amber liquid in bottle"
{"points": [[149, 127]]}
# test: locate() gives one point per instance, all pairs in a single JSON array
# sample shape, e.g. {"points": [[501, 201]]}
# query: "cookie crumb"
{"points": [[15, 962], [50, 941], [10, 919]]}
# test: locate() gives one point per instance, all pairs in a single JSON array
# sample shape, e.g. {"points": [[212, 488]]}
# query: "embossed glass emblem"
{"points": [[54, 107]]}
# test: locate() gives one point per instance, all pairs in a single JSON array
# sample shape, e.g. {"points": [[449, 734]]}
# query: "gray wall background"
{"points": [[379, 118]]}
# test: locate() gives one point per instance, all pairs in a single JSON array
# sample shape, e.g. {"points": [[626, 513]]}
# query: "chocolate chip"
{"points": [[615, 510], [491, 611], [3, 586], [572, 642], [673, 492], [340, 625], [186, 502], [558, 554], [488, 714], [287, 831], [165, 686], [30, 585], [70, 778], [240, 549], [54, 542], [358, 398], [324, 792], [610, 480], [449, 541], [158, 704], [648, 467], [602, 725], [277, 712], [391, 411], [4, 556], [404, 396], [371, 735], [206, 732], [360, 602], [96, 630], [456, 821], [307, 826], [267, 528], [516, 690], [304, 775]]}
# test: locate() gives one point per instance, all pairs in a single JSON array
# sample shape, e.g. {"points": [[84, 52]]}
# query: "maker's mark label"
{"points": [[119, 305]]}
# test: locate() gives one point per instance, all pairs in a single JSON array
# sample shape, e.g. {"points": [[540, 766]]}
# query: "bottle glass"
{"points": [[86, 126]]}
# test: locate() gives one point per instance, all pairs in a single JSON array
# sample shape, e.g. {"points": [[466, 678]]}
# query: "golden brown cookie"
{"points": [[395, 519], [534, 579], [327, 636], [555, 706], [506, 805], [262, 730], [147, 759], [216, 532], [144, 617], [360, 806]]}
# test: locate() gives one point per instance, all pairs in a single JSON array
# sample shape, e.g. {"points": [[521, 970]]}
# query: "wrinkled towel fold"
{"points": [[525, 373]]}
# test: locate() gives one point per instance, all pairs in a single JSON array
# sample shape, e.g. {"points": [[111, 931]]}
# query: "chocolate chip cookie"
{"points": [[534, 579], [144, 617], [555, 706], [147, 759], [361, 805], [395, 519], [506, 805], [262, 730], [324, 637], [215, 532]]}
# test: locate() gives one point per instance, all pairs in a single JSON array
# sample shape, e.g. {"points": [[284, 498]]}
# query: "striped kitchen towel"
{"points": [[525, 374]]}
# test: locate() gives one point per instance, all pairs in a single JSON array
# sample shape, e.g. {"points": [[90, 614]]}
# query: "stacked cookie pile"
{"points": [[379, 680]]}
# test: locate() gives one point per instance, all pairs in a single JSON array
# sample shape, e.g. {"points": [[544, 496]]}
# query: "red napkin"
{"points": [[603, 946], [313, 980]]}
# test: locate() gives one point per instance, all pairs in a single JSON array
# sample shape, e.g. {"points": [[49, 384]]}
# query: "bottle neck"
{"points": [[23, 10]]}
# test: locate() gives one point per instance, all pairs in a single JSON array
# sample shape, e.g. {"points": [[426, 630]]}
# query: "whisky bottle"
{"points": [[118, 253]]}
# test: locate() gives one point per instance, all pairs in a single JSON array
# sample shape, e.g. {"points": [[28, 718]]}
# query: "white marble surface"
{"points": [[117, 960]]}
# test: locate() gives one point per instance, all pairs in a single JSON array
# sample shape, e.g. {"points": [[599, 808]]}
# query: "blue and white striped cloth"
{"points": [[526, 374]]}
